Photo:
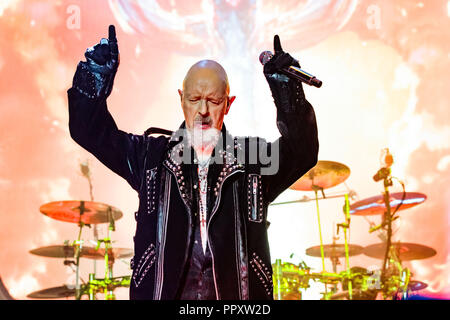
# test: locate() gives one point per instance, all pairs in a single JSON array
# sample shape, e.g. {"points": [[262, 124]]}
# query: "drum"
{"points": [[288, 280]]}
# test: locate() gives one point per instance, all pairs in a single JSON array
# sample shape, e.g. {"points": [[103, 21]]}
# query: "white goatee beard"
{"points": [[203, 141]]}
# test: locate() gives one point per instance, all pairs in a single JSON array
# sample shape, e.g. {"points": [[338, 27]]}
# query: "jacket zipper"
{"points": [[255, 198], [216, 205], [160, 275]]}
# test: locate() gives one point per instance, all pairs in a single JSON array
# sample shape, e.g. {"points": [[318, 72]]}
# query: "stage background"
{"points": [[385, 67]]}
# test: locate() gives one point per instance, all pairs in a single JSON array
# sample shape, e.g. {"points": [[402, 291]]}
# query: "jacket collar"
{"points": [[224, 163]]}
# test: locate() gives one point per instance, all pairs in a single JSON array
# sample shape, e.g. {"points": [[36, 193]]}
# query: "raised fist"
{"points": [[95, 76]]}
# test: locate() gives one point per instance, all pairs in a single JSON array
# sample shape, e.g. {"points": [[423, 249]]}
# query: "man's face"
{"points": [[205, 99]]}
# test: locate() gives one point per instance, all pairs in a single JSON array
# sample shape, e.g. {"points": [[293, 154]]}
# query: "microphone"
{"points": [[387, 162], [381, 174], [292, 71]]}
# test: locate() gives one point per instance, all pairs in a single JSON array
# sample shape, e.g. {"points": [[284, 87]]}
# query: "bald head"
{"points": [[204, 97], [207, 70]]}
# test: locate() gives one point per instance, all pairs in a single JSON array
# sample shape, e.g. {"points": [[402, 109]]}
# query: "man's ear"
{"points": [[180, 92], [230, 101]]}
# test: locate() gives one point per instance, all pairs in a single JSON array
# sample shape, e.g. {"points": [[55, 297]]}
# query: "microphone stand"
{"points": [[387, 220]]}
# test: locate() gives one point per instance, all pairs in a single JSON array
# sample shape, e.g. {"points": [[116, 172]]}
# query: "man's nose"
{"points": [[203, 108]]}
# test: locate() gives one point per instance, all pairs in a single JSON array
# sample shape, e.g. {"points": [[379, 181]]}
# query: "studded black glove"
{"points": [[95, 77], [287, 93]]}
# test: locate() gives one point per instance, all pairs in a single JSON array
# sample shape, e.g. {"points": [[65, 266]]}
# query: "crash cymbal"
{"points": [[415, 285], [405, 251], [62, 251], [53, 293], [325, 174], [334, 250], [375, 205], [72, 211]]}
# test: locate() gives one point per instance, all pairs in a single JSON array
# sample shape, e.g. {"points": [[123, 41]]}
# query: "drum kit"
{"points": [[392, 281], [85, 214]]}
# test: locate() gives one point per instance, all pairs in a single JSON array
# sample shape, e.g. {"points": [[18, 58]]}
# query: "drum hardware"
{"points": [[346, 225], [84, 213], [290, 279], [392, 280], [350, 193], [325, 174], [86, 172]]}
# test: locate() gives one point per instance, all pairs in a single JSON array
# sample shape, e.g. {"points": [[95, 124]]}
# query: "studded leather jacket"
{"points": [[239, 192]]}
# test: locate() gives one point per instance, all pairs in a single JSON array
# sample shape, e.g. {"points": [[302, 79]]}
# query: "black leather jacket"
{"points": [[238, 197]]}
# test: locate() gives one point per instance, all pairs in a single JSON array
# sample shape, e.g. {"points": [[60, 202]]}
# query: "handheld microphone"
{"points": [[292, 71]]}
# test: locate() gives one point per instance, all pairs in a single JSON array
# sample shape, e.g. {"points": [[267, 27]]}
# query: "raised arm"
{"points": [[298, 145], [90, 123]]}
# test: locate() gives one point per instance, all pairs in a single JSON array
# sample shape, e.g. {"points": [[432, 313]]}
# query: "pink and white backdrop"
{"points": [[385, 66]]}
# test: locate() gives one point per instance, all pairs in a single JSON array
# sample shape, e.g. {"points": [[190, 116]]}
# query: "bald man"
{"points": [[201, 226]]}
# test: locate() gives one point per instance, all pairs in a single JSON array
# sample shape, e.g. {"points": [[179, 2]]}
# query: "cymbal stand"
{"points": [[316, 189], [78, 244], [109, 294], [346, 225], [278, 273], [86, 172]]}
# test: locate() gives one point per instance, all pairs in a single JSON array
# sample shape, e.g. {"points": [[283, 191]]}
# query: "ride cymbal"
{"points": [[63, 251], [375, 205], [88, 212], [404, 251]]}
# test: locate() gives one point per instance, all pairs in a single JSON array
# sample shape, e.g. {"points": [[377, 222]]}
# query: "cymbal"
{"points": [[53, 293], [70, 211], [62, 251], [375, 205], [405, 251], [334, 250], [415, 285], [325, 174]]}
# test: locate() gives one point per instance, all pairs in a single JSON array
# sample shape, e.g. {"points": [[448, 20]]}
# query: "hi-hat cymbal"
{"points": [[62, 251], [88, 212], [324, 175], [53, 293], [334, 250], [405, 251], [375, 205]]}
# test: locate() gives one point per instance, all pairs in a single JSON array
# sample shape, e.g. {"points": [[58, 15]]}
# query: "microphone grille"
{"points": [[265, 56]]}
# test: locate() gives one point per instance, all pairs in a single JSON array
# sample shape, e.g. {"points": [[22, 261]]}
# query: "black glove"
{"points": [[287, 93], [95, 77]]}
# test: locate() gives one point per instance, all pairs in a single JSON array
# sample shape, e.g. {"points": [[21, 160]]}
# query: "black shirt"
{"points": [[199, 281]]}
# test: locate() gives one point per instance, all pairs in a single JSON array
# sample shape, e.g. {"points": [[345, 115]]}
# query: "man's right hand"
{"points": [[95, 76]]}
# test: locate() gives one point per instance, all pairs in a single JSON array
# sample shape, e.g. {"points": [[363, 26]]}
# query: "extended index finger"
{"points": [[112, 33], [277, 44], [112, 39]]}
